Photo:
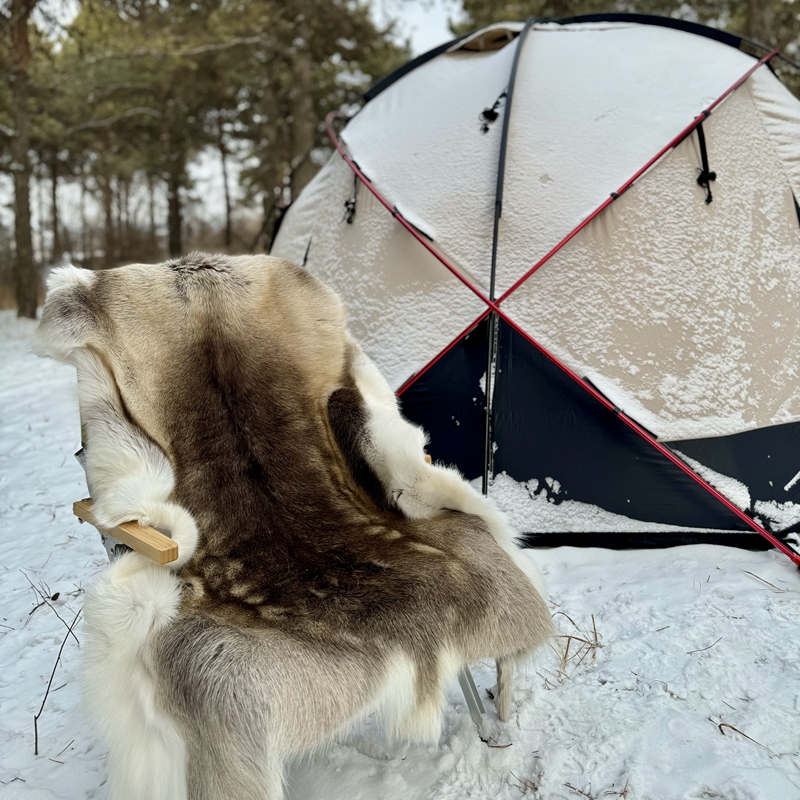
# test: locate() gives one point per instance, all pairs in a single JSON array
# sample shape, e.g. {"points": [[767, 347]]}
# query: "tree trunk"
{"points": [[760, 18], [57, 244], [109, 240], [86, 246], [153, 240], [25, 277], [175, 213], [223, 154], [40, 216], [122, 242], [304, 123]]}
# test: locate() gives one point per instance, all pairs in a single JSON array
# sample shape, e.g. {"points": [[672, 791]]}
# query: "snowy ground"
{"points": [[681, 679]]}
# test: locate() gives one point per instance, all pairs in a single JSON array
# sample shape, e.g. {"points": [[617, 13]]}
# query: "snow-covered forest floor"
{"points": [[677, 674]]}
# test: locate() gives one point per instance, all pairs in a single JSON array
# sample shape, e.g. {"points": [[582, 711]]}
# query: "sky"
{"points": [[423, 22]]}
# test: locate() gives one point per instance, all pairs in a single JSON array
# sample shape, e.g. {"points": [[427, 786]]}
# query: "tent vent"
{"points": [[495, 37]]}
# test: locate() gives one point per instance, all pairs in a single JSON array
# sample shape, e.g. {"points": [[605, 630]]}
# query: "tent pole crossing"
{"points": [[491, 345], [493, 305]]}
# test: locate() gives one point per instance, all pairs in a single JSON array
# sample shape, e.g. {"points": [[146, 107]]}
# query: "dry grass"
{"points": [[575, 648], [777, 589]]}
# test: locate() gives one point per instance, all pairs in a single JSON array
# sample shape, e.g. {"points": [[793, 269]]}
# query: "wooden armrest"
{"points": [[145, 540]]}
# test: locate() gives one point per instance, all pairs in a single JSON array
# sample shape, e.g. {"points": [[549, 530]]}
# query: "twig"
{"points": [[577, 639], [46, 602], [658, 630], [527, 783], [779, 591], [580, 791], [702, 649], [50, 683], [61, 751], [722, 725]]}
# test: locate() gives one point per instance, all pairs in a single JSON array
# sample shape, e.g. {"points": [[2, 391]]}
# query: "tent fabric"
{"points": [[713, 289], [587, 114], [679, 311], [598, 459], [402, 303], [779, 112], [421, 144]]}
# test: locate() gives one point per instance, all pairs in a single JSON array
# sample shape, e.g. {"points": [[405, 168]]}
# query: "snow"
{"points": [[734, 490], [685, 654], [532, 508]]}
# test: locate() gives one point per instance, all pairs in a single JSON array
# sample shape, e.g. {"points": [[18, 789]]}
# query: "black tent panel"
{"points": [[547, 426], [766, 460], [448, 402]]}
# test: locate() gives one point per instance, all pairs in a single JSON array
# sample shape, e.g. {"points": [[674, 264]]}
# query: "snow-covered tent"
{"points": [[599, 218]]}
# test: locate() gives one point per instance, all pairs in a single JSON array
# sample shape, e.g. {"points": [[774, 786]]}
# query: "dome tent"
{"points": [[594, 222]]}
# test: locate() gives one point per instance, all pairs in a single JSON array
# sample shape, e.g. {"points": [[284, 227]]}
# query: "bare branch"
{"points": [[104, 123], [50, 683], [189, 51]]}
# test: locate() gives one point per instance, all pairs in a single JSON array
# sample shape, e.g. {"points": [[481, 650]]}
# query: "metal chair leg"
{"points": [[471, 695]]}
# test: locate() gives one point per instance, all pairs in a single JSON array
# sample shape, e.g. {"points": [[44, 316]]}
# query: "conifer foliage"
{"points": [[117, 101]]}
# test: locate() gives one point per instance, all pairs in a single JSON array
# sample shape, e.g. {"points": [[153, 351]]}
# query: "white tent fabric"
{"points": [[592, 104], [403, 305], [421, 145], [683, 313]]}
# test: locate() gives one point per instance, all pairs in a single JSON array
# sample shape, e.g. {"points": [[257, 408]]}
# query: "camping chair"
{"points": [[317, 567]]}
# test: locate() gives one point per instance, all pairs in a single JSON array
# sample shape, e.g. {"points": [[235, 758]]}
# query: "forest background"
{"points": [[103, 116]]}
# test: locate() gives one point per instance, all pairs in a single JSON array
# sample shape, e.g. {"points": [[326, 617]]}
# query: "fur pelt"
{"points": [[326, 571]]}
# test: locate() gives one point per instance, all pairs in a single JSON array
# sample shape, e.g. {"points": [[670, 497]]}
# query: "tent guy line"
{"points": [[493, 306]]}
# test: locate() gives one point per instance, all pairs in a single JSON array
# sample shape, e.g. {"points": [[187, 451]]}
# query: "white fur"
{"points": [[396, 452], [127, 605], [129, 477], [58, 342]]}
